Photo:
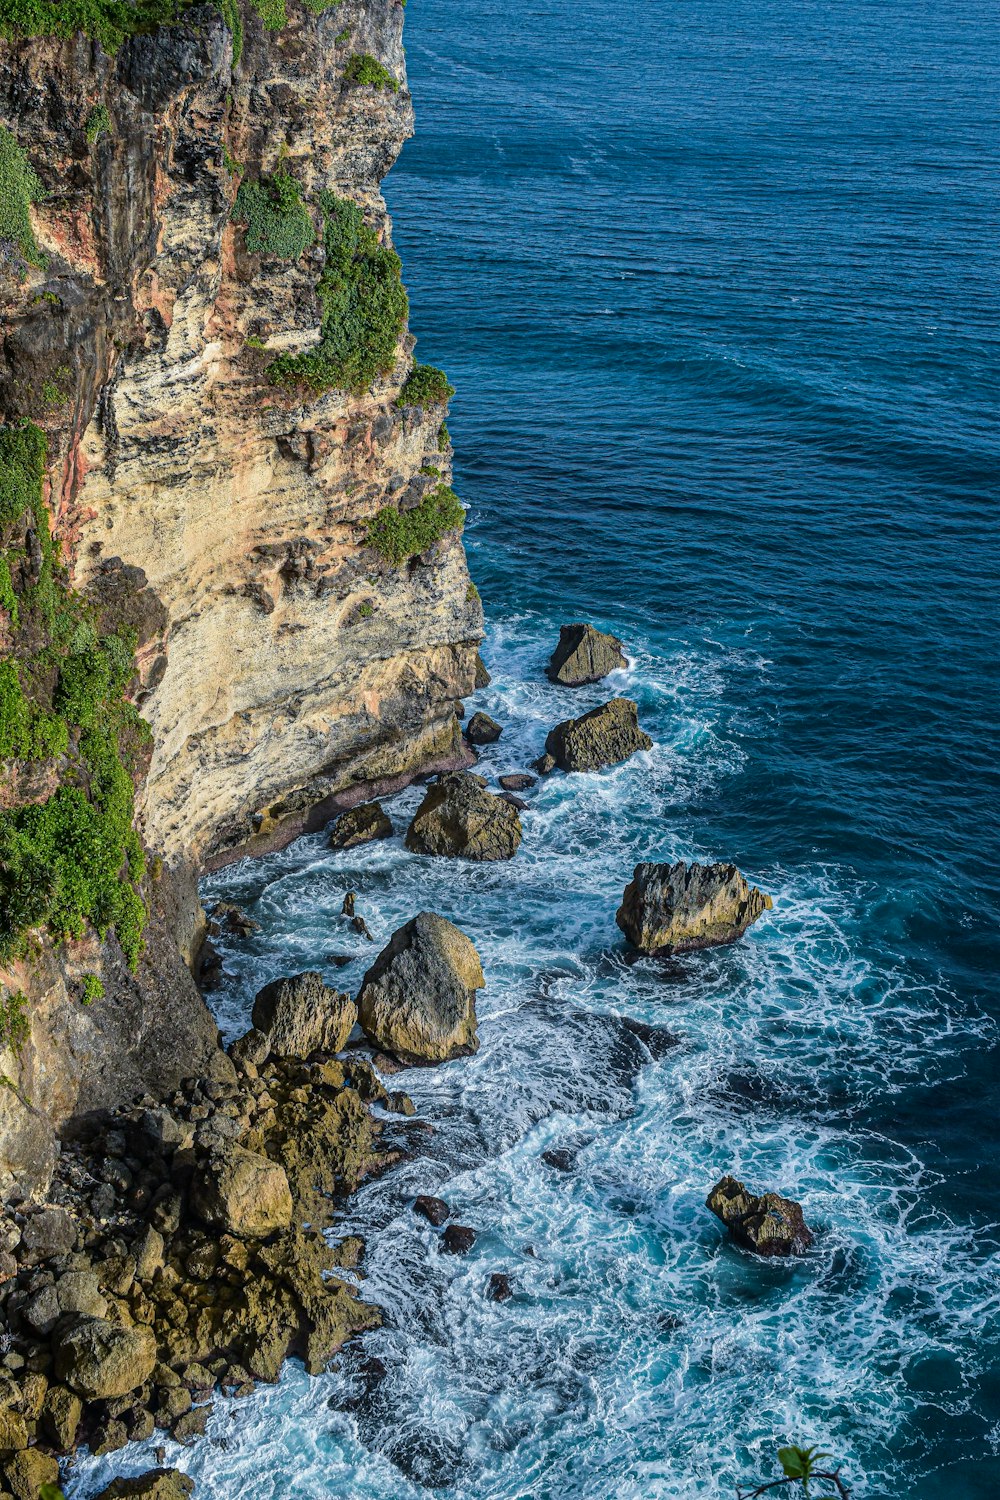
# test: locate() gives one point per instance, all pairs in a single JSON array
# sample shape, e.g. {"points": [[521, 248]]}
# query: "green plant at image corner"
{"points": [[802, 1467], [364, 308], [399, 534]]}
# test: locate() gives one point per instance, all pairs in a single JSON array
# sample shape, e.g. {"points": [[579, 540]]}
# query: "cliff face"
{"points": [[211, 499]]}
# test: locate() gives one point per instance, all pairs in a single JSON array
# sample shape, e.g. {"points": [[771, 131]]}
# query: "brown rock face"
{"points": [[459, 818], [99, 1360], [242, 1192], [301, 1014], [283, 663], [681, 907], [584, 655], [604, 737], [768, 1225], [418, 1000], [361, 825]]}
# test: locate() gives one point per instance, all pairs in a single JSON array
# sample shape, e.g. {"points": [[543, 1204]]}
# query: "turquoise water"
{"points": [[718, 286]]}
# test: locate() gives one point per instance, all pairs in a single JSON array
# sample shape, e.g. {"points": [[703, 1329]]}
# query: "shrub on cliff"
{"points": [[399, 534], [364, 308], [426, 386], [364, 69], [277, 221], [19, 188], [74, 857]]}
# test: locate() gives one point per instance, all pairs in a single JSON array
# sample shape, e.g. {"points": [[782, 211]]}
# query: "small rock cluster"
{"points": [[768, 1225], [172, 1259]]}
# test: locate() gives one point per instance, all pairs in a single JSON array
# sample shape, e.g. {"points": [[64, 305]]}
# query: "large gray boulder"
{"points": [[100, 1360], [584, 655], [767, 1225], [603, 737], [300, 1014], [459, 818], [678, 908], [418, 999], [241, 1192]]}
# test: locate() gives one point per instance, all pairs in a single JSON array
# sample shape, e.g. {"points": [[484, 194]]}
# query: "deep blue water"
{"points": [[718, 286]]}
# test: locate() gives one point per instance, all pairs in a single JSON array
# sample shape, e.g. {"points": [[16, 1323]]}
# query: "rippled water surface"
{"points": [[718, 287]]}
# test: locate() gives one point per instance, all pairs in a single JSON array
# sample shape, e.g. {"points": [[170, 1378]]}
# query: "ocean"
{"points": [[718, 287]]}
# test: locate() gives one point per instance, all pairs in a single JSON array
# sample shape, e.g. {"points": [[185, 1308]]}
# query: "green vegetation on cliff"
{"points": [[19, 189], [74, 857], [363, 69], [107, 21], [426, 386], [399, 534], [364, 308], [277, 220]]}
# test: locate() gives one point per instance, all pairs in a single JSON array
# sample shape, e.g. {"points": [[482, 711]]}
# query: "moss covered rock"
{"points": [[459, 818], [418, 1000], [584, 655], [99, 1360], [767, 1225], [681, 907], [242, 1192], [604, 737], [301, 1014]]}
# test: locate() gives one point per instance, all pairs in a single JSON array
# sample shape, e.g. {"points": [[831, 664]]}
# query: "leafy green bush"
{"points": [[444, 437], [364, 308], [272, 13], [19, 189], [107, 21], [14, 1025], [98, 123], [277, 220], [76, 857], [364, 69], [93, 989], [426, 386], [399, 534]]}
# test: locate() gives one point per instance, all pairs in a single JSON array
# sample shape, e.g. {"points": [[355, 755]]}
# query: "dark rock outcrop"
{"points": [[361, 825], [499, 1288], [458, 1239], [459, 818], [584, 655], [434, 1210], [518, 781], [418, 1000], [300, 1014], [482, 730], [768, 1225], [678, 908], [604, 737]]}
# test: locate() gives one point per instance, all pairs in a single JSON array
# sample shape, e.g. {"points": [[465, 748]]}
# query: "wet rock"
{"points": [[545, 764], [680, 907], [360, 926], [459, 818], [514, 801], [518, 781], [482, 730], [458, 1239], [192, 1425], [604, 737], [98, 1359], [418, 1000], [499, 1288], [560, 1158], [242, 1192], [227, 917], [300, 1015], [158, 1484], [584, 655], [767, 1225], [483, 678], [434, 1210], [347, 909], [360, 825]]}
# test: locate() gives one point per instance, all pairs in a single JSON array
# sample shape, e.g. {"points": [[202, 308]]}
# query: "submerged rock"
{"points": [[100, 1360], [604, 737], [227, 917], [767, 1225], [301, 1014], [460, 818], [242, 1192], [418, 1000], [584, 655], [678, 908], [458, 1239], [482, 730], [361, 825], [499, 1288]]}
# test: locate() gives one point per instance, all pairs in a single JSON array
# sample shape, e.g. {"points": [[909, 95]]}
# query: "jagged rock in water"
{"points": [[678, 908], [418, 1000], [518, 781], [604, 737], [499, 1288], [434, 1210], [458, 1239], [767, 1225], [584, 655], [300, 1014], [459, 818], [241, 1192], [158, 1484], [482, 730], [361, 825], [227, 917], [100, 1360]]}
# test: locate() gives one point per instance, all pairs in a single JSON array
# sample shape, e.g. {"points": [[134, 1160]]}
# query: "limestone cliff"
{"points": [[176, 322]]}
